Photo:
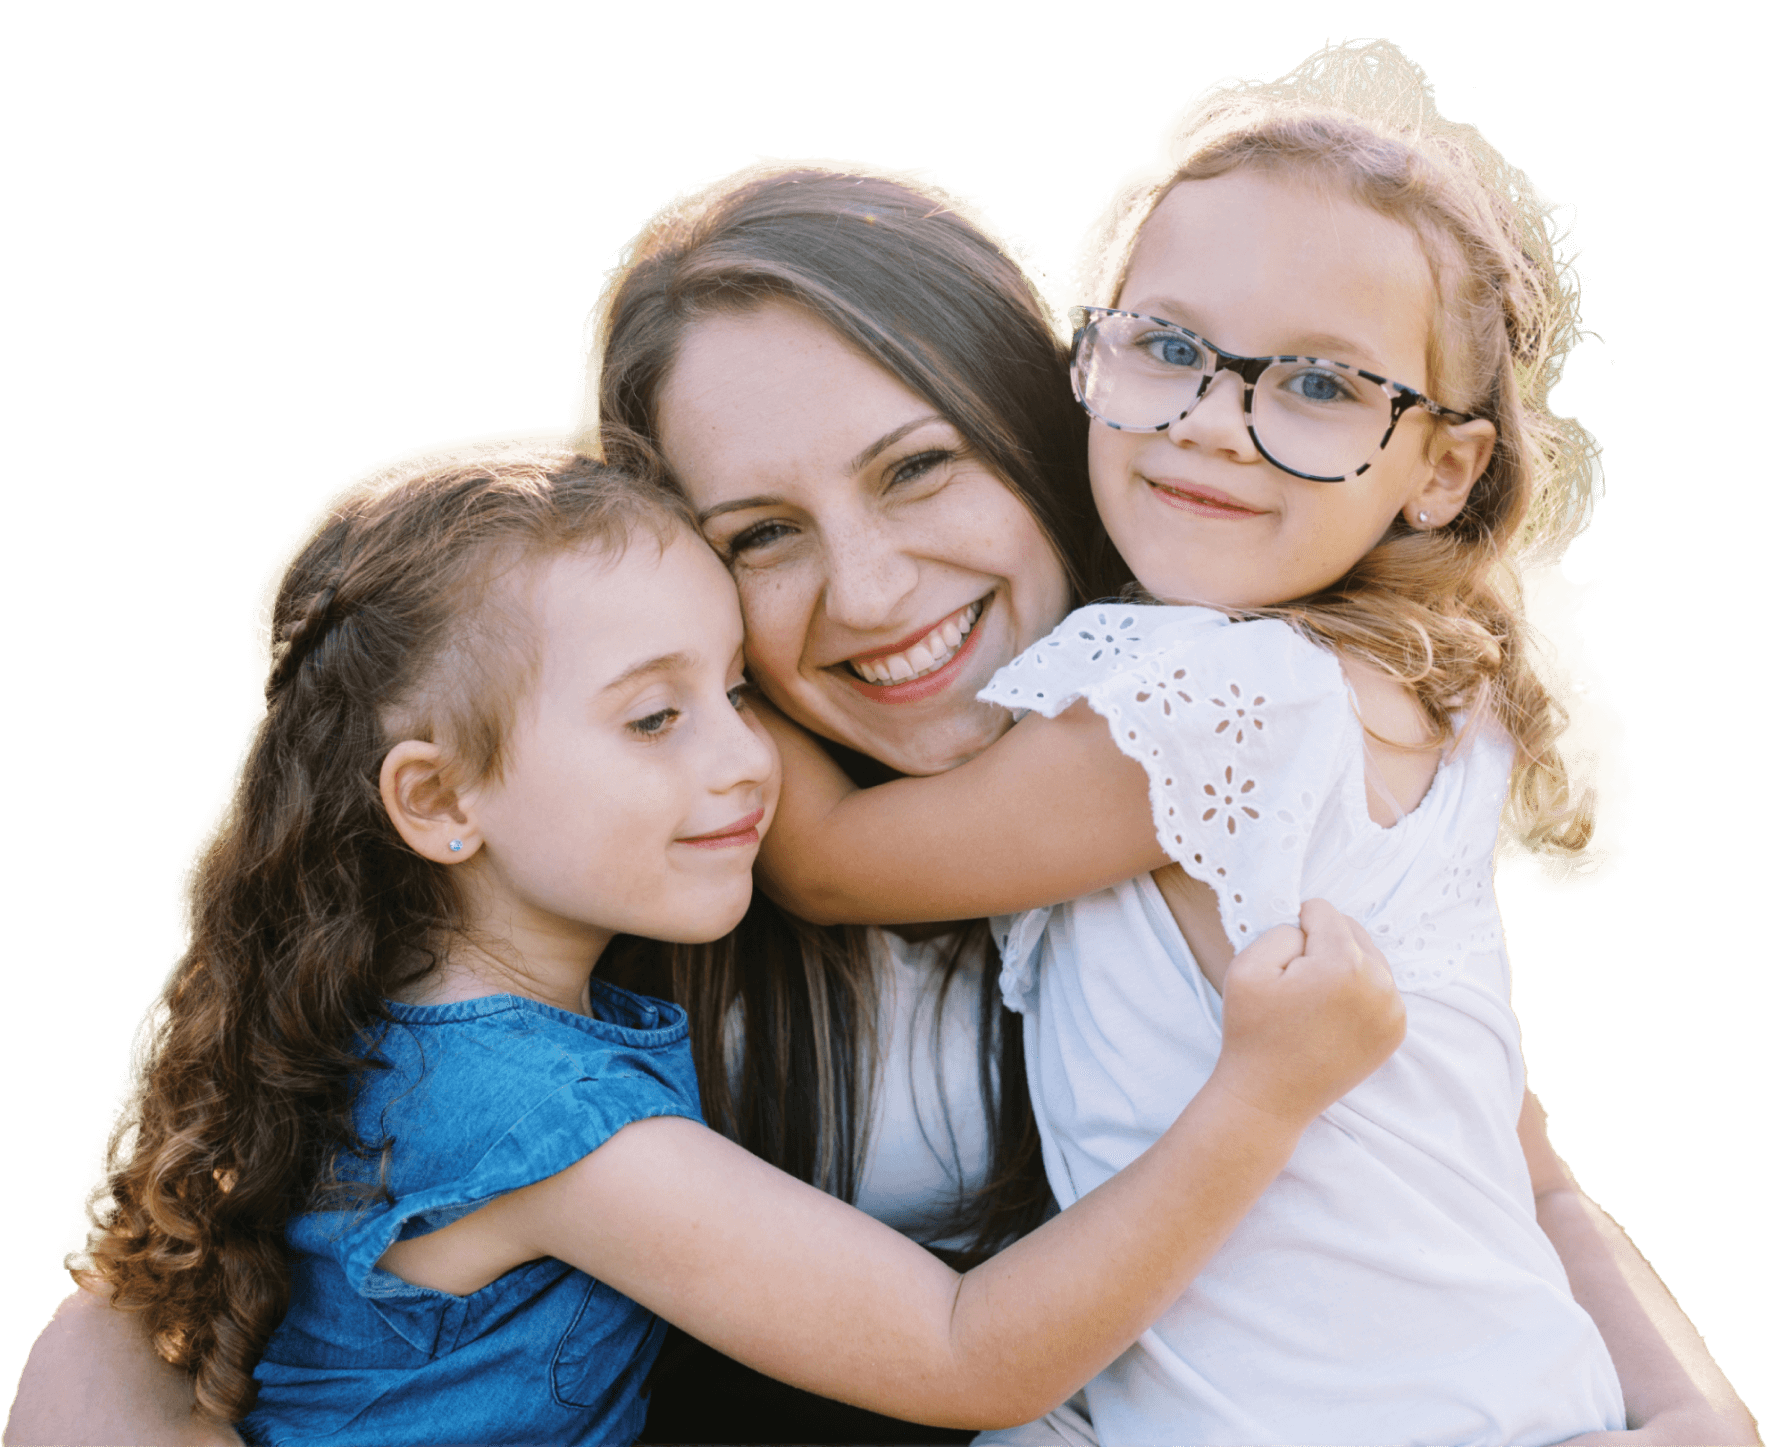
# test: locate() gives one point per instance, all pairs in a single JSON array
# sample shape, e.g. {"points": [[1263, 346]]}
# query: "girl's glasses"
{"points": [[1314, 418]]}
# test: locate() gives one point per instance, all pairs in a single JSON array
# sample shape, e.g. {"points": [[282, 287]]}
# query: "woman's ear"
{"points": [[1456, 457], [423, 806]]}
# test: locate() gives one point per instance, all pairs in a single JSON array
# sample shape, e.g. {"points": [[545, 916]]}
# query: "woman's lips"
{"points": [[1204, 501], [928, 665], [745, 831]]}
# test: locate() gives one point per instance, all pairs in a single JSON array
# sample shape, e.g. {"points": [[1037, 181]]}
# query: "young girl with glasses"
{"points": [[401, 1170], [1320, 440]]}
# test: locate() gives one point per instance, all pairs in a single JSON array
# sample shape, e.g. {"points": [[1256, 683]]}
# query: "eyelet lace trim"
{"points": [[1252, 751]]}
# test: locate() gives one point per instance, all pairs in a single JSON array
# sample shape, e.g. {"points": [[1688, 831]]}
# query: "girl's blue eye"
{"points": [[738, 694], [1319, 386], [1173, 350], [654, 724]]}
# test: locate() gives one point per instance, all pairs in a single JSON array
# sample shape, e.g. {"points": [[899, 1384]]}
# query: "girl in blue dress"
{"points": [[401, 1170]]}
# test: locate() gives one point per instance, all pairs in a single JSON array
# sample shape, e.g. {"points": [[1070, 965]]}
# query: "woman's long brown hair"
{"points": [[903, 277], [308, 909]]}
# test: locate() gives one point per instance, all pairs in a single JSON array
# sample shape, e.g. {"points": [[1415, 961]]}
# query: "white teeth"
{"points": [[925, 655]]}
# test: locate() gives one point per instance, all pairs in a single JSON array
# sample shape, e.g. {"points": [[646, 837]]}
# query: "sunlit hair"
{"points": [[1440, 608], [307, 909], [903, 277]]}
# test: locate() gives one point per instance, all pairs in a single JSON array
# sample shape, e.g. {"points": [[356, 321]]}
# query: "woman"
{"points": [[866, 403]]}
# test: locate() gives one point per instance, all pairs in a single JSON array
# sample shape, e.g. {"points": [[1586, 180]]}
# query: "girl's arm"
{"points": [[1050, 812], [807, 1289], [93, 1376], [1673, 1390]]}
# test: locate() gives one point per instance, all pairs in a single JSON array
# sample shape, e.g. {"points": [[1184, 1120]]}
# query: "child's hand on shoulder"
{"points": [[1306, 1014]]}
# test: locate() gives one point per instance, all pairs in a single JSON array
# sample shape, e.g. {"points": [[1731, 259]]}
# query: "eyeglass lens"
{"points": [[1310, 415]]}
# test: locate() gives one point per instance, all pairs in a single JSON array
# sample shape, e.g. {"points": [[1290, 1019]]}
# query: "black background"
{"points": [[299, 276]]}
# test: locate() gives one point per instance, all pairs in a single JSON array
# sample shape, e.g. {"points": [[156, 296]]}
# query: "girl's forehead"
{"points": [[1273, 261]]}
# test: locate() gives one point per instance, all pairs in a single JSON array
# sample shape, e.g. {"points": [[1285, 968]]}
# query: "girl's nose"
{"points": [[1218, 423], [744, 755]]}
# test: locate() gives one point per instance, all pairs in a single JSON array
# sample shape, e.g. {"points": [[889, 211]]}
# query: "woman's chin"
{"points": [[922, 745]]}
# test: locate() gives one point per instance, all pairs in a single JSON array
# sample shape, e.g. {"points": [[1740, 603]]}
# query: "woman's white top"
{"points": [[1392, 1285], [927, 1135]]}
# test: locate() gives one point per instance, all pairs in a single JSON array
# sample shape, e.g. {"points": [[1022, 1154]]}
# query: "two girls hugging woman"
{"points": [[1215, 1131]]}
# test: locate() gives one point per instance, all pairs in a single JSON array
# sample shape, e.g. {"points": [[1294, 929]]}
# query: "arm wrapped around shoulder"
{"points": [[1246, 732]]}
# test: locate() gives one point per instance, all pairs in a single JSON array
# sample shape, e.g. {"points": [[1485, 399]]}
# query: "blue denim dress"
{"points": [[479, 1098]]}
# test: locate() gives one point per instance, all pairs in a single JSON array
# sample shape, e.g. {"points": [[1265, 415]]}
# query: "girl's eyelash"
{"points": [[653, 724]]}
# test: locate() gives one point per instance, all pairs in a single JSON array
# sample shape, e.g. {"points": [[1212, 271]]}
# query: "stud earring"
{"points": [[454, 846], [1423, 518]]}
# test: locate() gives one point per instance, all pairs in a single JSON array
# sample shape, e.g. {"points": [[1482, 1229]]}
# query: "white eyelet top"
{"points": [[1392, 1284]]}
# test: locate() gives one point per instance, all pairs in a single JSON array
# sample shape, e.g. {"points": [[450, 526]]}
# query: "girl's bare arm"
{"points": [[1674, 1390], [1050, 812], [807, 1289], [93, 1376]]}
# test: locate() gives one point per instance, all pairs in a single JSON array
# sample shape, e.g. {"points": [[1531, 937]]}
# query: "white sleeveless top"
{"points": [[1392, 1285]]}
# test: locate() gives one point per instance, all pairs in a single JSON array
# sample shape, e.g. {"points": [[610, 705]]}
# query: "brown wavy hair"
{"points": [[307, 909], [901, 275], [1438, 609]]}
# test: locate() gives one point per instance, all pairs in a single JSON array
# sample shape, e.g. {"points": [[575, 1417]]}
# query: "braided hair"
{"points": [[307, 909]]}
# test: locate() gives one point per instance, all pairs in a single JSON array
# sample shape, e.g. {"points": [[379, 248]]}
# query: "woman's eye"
{"points": [[758, 535], [918, 465], [738, 694], [653, 724]]}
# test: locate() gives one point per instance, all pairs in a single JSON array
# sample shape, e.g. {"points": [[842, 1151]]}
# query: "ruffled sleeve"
{"points": [[1246, 731]]}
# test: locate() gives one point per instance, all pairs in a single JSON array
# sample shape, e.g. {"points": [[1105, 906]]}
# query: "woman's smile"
{"points": [[929, 657]]}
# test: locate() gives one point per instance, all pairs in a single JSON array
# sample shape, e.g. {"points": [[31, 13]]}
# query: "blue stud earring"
{"points": [[454, 846]]}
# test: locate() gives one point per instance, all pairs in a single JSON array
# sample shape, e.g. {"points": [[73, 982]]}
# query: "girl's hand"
{"points": [[1306, 1014]]}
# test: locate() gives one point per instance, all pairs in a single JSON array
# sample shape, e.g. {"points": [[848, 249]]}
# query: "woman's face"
{"points": [[885, 571]]}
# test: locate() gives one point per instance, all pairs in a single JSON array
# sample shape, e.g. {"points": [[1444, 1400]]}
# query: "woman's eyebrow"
{"points": [[866, 454], [740, 504]]}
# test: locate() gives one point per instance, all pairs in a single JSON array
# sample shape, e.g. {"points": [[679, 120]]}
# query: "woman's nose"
{"points": [[1218, 421], [868, 575]]}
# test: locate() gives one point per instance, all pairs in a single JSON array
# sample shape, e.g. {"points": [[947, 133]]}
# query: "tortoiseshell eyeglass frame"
{"points": [[1249, 369]]}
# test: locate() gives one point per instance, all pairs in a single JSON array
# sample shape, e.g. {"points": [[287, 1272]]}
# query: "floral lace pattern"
{"points": [[1255, 761]]}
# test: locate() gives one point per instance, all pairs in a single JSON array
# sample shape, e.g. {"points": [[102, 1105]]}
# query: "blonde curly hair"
{"points": [[1440, 610]]}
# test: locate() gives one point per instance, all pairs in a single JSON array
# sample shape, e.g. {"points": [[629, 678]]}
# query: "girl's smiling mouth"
{"points": [[735, 835], [1204, 501], [918, 666]]}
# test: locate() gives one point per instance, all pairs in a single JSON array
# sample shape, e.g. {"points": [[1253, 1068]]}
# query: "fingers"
{"points": [[1272, 951]]}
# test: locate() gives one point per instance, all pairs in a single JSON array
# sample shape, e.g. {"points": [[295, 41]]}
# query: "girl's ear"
{"points": [[1456, 456], [424, 808]]}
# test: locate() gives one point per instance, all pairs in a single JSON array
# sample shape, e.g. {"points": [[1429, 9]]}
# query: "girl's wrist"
{"points": [[1227, 1105]]}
